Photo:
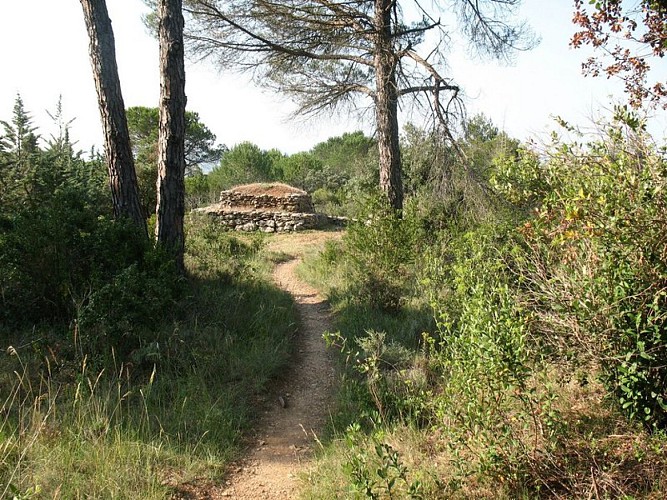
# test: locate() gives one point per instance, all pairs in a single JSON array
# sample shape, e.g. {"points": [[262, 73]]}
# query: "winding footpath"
{"points": [[288, 431]]}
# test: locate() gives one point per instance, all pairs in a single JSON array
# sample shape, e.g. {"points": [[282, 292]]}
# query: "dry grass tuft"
{"points": [[270, 188]]}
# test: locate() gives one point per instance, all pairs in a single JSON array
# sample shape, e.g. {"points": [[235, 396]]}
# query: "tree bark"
{"points": [[386, 106], [120, 163], [170, 208]]}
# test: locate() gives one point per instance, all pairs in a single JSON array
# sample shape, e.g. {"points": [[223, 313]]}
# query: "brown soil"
{"points": [[288, 431], [273, 189]]}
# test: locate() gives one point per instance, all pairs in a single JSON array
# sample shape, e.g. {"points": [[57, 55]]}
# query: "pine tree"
{"points": [[18, 156], [120, 163], [170, 210], [332, 54]]}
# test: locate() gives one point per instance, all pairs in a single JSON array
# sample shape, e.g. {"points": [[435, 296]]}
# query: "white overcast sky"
{"points": [[44, 54]]}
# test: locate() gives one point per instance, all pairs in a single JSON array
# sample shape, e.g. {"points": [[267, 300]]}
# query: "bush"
{"points": [[198, 191], [62, 260], [595, 272], [323, 199], [381, 247], [491, 394], [122, 312], [47, 262], [550, 329]]}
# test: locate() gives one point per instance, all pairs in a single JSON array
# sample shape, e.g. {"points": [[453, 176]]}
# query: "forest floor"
{"points": [[298, 408]]}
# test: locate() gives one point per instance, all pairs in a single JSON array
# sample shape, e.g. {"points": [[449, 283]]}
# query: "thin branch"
{"points": [[428, 88]]}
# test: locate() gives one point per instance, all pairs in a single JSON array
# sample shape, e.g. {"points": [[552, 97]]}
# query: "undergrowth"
{"points": [[516, 355], [76, 422]]}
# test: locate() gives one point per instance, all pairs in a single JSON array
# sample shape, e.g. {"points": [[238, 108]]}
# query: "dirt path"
{"points": [[289, 430]]}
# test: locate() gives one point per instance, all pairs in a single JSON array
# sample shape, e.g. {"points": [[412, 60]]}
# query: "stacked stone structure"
{"points": [[270, 208], [297, 202]]}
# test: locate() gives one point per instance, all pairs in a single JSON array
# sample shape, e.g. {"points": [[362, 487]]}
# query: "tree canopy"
{"points": [[200, 146], [324, 54], [243, 163], [18, 146], [200, 149]]}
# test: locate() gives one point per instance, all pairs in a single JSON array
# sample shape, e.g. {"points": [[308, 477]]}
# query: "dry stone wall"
{"points": [[293, 202], [269, 222], [291, 210]]}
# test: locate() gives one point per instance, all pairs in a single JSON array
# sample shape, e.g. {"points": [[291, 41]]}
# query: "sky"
{"points": [[44, 55]]}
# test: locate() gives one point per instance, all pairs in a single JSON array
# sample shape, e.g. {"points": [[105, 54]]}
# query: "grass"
{"points": [[174, 413], [269, 188], [346, 467]]}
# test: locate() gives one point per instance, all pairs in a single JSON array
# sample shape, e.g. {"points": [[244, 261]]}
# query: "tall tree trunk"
{"points": [[386, 106], [171, 149], [120, 162]]}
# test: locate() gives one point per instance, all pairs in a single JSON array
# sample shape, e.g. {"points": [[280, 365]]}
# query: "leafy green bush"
{"points": [[323, 199], [198, 191], [484, 353], [46, 261], [381, 474], [595, 272], [381, 247], [62, 258], [120, 311], [550, 329]]}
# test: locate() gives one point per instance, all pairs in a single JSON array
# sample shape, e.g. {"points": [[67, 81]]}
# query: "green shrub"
{"points": [[595, 272], [381, 247], [381, 473], [550, 330], [483, 356], [198, 191], [63, 260], [323, 198], [121, 313]]}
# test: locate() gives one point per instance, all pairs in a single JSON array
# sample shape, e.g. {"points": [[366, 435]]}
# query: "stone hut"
{"points": [[266, 207]]}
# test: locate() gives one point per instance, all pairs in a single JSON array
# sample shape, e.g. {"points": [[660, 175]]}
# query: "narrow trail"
{"points": [[289, 429]]}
